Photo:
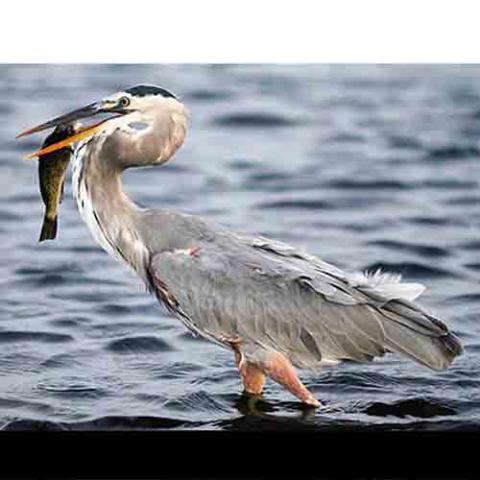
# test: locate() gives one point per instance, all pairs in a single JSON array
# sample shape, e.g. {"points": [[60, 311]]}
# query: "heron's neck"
{"points": [[110, 214]]}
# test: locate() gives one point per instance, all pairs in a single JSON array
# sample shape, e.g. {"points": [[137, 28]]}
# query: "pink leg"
{"points": [[275, 365], [279, 369], [252, 375], [253, 378]]}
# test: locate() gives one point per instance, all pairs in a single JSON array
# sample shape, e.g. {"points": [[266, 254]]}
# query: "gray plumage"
{"points": [[275, 297], [219, 283]]}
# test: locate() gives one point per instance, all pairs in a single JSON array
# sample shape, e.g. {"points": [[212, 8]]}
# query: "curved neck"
{"points": [[113, 219], [110, 214]]}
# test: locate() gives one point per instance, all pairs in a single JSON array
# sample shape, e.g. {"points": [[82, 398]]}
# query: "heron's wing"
{"points": [[273, 296]]}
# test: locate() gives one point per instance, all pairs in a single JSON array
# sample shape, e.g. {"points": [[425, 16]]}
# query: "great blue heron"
{"points": [[274, 306]]}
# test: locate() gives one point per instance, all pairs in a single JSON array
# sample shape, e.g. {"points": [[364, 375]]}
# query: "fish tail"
{"points": [[49, 229]]}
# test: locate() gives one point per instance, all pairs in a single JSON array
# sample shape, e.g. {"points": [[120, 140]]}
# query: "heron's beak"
{"points": [[69, 118], [80, 134]]}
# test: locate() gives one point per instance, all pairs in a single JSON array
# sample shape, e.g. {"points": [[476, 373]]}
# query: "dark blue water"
{"points": [[365, 166]]}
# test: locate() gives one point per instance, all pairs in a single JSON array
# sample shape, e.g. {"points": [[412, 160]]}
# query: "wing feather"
{"points": [[274, 296]]}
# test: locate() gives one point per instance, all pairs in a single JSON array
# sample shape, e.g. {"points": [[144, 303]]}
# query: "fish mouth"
{"points": [[70, 118]]}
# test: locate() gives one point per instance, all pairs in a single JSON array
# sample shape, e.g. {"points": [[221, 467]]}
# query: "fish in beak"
{"points": [[70, 118], [81, 134]]}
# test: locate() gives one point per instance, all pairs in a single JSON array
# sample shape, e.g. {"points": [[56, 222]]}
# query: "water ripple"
{"points": [[254, 119], [32, 336], [410, 269], [453, 152], [332, 159], [426, 250], [139, 344]]}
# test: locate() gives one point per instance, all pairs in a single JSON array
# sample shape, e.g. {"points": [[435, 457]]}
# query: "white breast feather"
{"points": [[84, 202], [137, 252]]}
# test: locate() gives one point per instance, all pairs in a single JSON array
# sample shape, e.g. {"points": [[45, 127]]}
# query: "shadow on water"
{"points": [[416, 407], [257, 413], [102, 423]]}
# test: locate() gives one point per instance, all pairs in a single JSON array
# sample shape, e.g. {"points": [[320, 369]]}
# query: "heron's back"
{"points": [[276, 297]]}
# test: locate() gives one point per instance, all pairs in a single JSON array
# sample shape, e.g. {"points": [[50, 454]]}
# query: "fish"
{"points": [[52, 168]]}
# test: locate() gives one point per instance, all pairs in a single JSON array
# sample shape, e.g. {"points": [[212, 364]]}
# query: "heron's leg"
{"points": [[252, 375], [279, 368], [274, 364]]}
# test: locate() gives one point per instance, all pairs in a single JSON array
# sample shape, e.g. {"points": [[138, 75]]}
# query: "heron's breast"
{"points": [[83, 197]]}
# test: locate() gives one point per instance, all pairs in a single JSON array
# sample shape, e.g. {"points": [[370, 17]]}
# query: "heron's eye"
{"points": [[124, 102]]}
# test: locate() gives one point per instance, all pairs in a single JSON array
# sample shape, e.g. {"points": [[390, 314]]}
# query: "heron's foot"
{"points": [[252, 399], [312, 402], [279, 368], [250, 404]]}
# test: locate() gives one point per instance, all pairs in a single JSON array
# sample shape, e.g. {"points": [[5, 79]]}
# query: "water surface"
{"points": [[365, 166]]}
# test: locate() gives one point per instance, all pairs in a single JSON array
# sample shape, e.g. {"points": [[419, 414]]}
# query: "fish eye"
{"points": [[124, 102]]}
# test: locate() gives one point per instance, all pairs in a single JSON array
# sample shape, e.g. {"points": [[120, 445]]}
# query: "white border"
{"points": [[150, 31]]}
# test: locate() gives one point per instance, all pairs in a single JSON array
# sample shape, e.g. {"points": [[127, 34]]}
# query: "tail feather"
{"points": [[49, 229], [420, 336]]}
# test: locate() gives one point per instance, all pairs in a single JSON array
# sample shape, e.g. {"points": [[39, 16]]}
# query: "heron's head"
{"points": [[135, 105]]}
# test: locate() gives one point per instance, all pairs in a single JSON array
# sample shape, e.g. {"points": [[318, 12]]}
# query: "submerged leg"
{"points": [[279, 369], [253, 378], [273, 364], [252, 375]]}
